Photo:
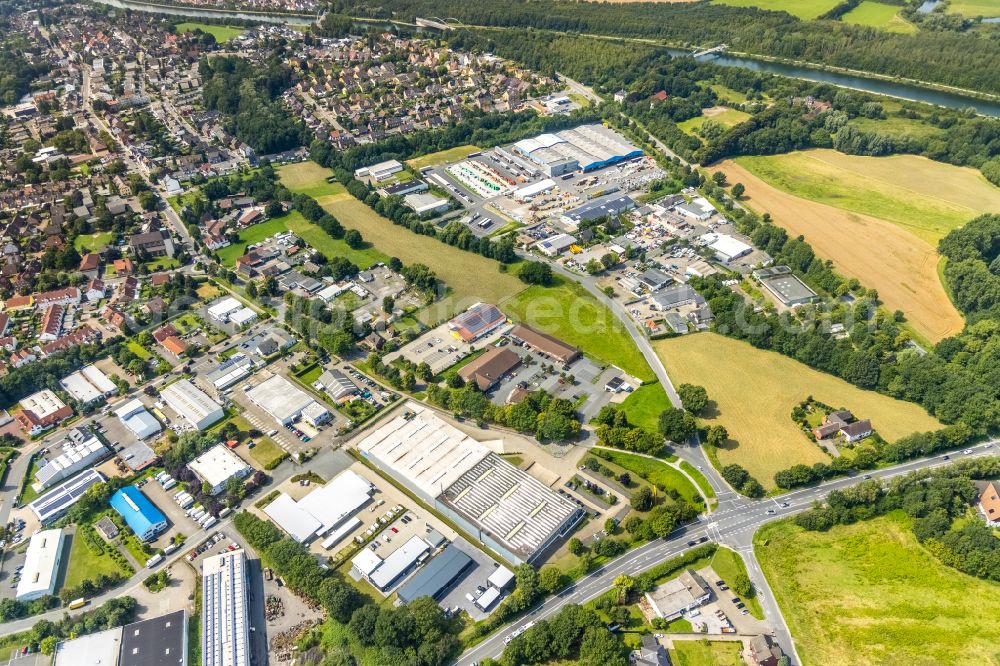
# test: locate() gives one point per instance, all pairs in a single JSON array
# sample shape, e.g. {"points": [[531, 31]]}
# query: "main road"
{"points": [[733, 525]]}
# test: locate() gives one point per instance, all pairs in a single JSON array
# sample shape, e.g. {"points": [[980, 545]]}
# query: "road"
{"points": [[133, 166], [732, 525], [279, 476]]}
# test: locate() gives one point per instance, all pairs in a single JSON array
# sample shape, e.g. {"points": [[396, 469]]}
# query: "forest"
{"points": [[967, 60], [16, 74], [973, 268], [248, 96]]}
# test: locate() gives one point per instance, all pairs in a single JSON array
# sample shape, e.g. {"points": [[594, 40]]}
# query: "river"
{"points": [[876, 86]]}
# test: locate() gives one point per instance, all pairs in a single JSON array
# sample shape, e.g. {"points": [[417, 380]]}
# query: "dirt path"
{"points": [[902, 267]]}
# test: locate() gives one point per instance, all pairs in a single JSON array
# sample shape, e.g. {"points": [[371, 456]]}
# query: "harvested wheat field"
{"points": [[754, 391], [884, 256]]}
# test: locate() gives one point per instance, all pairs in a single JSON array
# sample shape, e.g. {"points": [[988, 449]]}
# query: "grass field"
{"points": [[925, 197], [208, 291], [570, 313], [470, 277], [803, 9], [727, 94], [892, 259], [83, 564], [435, 159], [975, 7], [868, 593], [645, 404], [362, 257], [878, 15], [139, 350], [266, 451], [897, 127], [656, 472], [754, 391], [222, 33], [706, 653], [92, 242], [720, 114]]}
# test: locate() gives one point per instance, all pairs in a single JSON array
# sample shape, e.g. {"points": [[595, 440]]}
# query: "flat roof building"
{"points": [[384, 574], [217, 465], [477, 321], [785, 286], [675, 597], [135, 417], [192, 404], [99, 649], [426, 204], [41, 565], [506, 508], [489, 369], [609, 206], [336, 384], [545, 344], [379, 172], [225, 609], [230, 371], [555, 245], [286, 403], [437, 576], [158, 641], [221, 309], [54, 504], [41, 411], [139, 513], [88, 385], [322, 510], [584, 148], [726, 248]]}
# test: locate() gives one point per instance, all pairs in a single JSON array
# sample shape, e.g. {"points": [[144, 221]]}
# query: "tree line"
{"points": [[966, 60]]}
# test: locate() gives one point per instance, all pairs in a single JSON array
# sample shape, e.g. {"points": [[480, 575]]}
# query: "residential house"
{"points": [[989, 503]]}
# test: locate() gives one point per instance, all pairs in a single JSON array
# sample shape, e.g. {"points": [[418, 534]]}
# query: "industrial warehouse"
{"points": [[225, 621], [286, 403], [584, 148], [506, 508], [326, 511], [192, 404]]}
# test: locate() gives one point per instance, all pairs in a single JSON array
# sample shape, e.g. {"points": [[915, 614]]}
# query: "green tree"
{"points": [[575, 546], [693, 397], [676, 424], [535, 272], [551, 579], [742, 586], [717, 435], [623, 586], [738, 190]]}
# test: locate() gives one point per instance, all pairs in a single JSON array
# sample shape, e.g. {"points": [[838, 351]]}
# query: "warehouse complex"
{"points": [[158, 641], [509, 510], [584, 148], [225, 622], [217, 465], [80, 450], [327, 511], [192, 404], [135, 417], [286, 403], [88, 385]]}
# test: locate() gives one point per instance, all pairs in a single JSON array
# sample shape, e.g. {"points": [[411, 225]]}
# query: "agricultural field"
{"points": [[471, 278], [927, 198], [723, 115], [899, 264], [974, 8], [570, 313], [752, 393], [310, 179], [879, 15], [92, 242], [706, 653], [222, 33], [441, 157], [869, 593], [803, 9]]}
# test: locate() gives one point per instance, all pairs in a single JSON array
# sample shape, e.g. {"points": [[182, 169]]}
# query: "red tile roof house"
{"points": [[41, 411], [175, 345], [164, 332], [989, 503], [90, 265]]}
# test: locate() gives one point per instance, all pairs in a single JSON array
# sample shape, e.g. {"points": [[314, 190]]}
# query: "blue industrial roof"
{"points": [[437, 575], [140, 514]]}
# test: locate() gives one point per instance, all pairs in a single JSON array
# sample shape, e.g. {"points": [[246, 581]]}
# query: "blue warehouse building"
{"points": [[139, 513], [585, 148]]}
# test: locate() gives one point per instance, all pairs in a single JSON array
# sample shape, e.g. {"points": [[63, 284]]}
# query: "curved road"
{"points": [[733, 525]]}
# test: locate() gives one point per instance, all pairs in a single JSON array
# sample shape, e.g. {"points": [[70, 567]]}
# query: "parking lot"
{"points": [[471, 583], [587, 385], [439, 349]]}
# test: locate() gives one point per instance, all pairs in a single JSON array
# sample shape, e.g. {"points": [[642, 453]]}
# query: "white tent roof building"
{"points": [[323, 509]]}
